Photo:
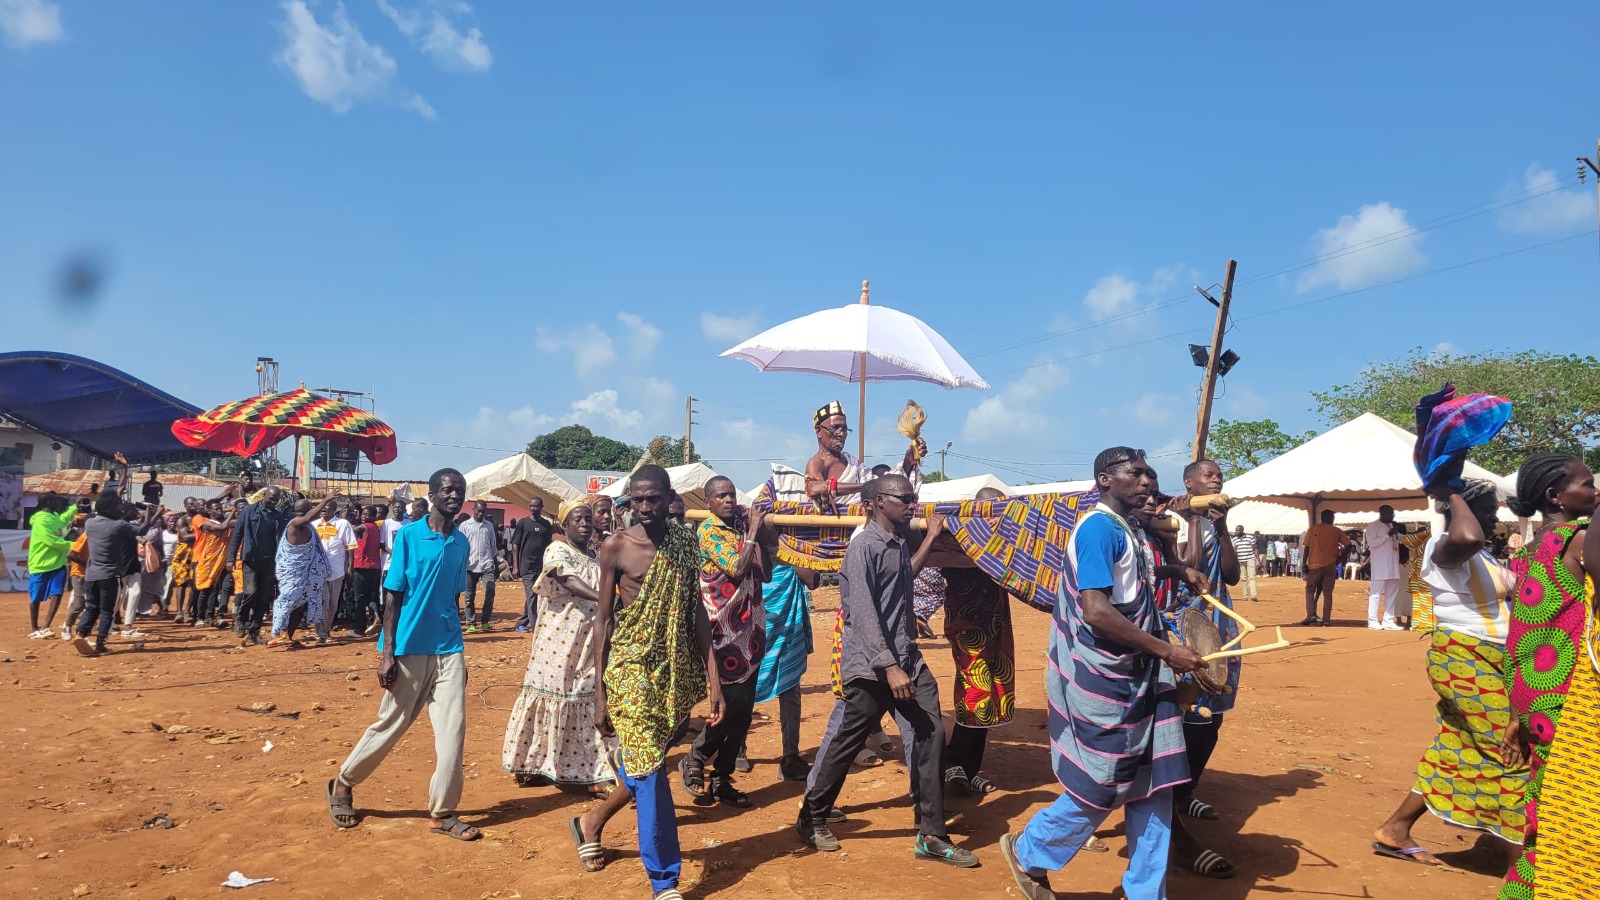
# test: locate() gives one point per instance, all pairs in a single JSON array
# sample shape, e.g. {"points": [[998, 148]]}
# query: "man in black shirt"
{"points": [[153, 489], [255, 544], [528, 542]]}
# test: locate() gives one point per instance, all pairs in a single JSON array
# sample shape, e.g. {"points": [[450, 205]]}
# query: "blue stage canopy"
{"points": [[93, 406]]}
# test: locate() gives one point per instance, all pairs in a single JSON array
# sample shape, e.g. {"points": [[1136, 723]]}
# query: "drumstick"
{"points": [[1244, 623], [1279, 644]]}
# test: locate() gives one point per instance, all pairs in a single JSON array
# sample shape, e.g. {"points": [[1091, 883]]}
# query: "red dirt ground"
{"points": [[1323, 745]]}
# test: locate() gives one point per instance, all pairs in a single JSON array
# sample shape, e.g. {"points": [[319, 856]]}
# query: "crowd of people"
{"points": [[638, 617]]}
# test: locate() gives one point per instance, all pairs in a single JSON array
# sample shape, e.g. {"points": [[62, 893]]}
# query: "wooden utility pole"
{"points": [[688, 430], [1594, 165], [1203, 426]]}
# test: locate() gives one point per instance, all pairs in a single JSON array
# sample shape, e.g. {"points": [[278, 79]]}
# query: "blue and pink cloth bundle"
{"points": [[1448, 426]]}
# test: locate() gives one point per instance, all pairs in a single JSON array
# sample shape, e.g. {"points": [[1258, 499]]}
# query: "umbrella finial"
{"points": [[864, 300]]}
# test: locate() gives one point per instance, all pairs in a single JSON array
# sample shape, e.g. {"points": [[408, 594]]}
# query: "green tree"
{"points": [[668, 451], [1239, 446], [1555, 399], [933, 477], [576, 447]]}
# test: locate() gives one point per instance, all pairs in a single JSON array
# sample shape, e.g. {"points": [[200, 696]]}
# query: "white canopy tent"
{"points": [[960, 489], [1358, 466], [1054, 487], [689, 481], [517, 480], [1259, 517]]}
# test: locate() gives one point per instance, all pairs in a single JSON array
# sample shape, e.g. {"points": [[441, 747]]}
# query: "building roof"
{"points": [[91, 405], [77, 482]]}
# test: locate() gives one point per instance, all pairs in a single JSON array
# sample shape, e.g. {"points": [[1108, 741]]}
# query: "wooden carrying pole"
{"points": [[1203, 425]]}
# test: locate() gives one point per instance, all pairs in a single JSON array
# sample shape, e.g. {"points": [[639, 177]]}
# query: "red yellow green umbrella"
{"points": [[246, 427]]}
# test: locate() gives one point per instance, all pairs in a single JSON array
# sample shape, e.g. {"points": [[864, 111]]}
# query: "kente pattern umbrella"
{"points": [[857, 344], [246, 427]]}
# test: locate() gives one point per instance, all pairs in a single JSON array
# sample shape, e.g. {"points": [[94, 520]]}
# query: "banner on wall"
{"points": [[14, 560]]}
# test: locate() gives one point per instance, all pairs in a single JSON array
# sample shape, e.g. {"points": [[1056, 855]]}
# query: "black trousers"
{"points": [[1199, 741], [865, 702], [369, 600], [473, 580], [965, 749], [530, 604], [720, 743], [259, 588], [100, 608]]}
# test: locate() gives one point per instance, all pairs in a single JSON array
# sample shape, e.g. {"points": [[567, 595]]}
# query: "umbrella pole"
{"points": [[861, 415]]}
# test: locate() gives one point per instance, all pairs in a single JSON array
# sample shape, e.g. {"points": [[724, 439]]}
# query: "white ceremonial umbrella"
{"points": [[857, 344]]}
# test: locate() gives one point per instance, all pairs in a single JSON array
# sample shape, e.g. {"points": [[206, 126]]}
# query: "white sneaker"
{"points": [[1374, 626], [41, 633], [66, 633], [133, 634], [1391, 626]]}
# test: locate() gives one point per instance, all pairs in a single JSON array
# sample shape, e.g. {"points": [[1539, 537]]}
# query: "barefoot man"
{"points": [[420, 661], [834, 476], [653, 663]]}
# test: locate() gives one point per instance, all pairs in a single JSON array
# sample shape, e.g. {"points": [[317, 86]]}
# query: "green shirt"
{"points": [[47, 545]]}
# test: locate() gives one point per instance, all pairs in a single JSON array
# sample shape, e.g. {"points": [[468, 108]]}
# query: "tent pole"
{"points": [[861, 415]]}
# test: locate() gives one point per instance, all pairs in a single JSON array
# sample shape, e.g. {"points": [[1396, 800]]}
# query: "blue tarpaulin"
{"points": [[93, 406]]}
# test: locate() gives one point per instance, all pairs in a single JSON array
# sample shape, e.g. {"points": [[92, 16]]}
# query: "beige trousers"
{"points": [[440, 684]]}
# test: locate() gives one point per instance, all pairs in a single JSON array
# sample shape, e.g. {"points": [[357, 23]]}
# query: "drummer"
{"points": [[1201, 545], [834, 476]]}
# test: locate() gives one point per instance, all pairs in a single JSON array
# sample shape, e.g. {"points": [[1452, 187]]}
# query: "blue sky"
{"points": [[503, 217]]}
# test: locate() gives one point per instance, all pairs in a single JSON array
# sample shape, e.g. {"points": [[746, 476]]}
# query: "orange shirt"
{"points": [[80, 547], [1323, 543]]}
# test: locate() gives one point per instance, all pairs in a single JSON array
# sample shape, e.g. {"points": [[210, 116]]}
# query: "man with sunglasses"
{"points": [[883, 671], [1116, 729], [834, 476]]}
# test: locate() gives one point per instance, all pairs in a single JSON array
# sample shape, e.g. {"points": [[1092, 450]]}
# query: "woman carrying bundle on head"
{"points": [[1474, 773], [1550, 672]]}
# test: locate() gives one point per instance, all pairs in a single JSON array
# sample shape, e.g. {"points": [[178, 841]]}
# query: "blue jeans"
{"points": [[1056, 833], [658, 827]]}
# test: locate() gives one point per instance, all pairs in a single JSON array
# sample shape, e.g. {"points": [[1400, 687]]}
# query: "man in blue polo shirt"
{"points": [[421, 661]]}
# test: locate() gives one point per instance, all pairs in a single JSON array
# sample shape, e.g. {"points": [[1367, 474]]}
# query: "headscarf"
{"points": [[567, 506]]}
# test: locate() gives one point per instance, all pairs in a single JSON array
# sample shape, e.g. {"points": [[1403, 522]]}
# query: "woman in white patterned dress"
{"points": [[551, 735]]}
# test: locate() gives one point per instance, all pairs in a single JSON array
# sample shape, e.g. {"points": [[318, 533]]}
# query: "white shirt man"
{"points": [[391, 527], [338, 538], [1384, 592]]}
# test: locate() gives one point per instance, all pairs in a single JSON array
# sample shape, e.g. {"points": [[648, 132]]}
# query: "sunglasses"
{"points": [[907, 499], [839, 430]]}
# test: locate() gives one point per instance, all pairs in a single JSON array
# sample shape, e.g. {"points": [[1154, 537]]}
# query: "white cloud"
{"points": [[591, 348], [336, 65], [1375, 244], [433, 30], [1021, 407], [29, 22], [642, 337], [744, 450], [1547, 209], [1241, 403], [729, 329], [601, 407], [1154, 410], [658, 390], [1120, 298]]}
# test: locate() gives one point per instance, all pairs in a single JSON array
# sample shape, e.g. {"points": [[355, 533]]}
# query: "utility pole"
{"points": [[688, 430], [1594, 166], [947, 446], [1203, 426]]}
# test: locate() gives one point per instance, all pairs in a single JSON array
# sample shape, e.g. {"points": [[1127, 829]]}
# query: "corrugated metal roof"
{"points": [[77, 482]]}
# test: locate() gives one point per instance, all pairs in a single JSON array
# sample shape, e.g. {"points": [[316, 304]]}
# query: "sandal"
{"points": [[1095, 845], [589, 852], [286, 643], [723, 792], [981, 785], [450, 826], [867, 759], [1033, 888], [341, 806], [1199, 809], [693, 771], [1409, 853], [957, 776], [1212, 864], [668, 894]]}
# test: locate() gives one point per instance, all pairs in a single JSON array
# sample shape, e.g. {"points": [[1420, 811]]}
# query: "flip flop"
{"points": [[1199, 809], [588, 851], [1032, 888], [341, 806], [1408, 854], [1212, 864], [867, 759], [455, 828], [1095, 845]]}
